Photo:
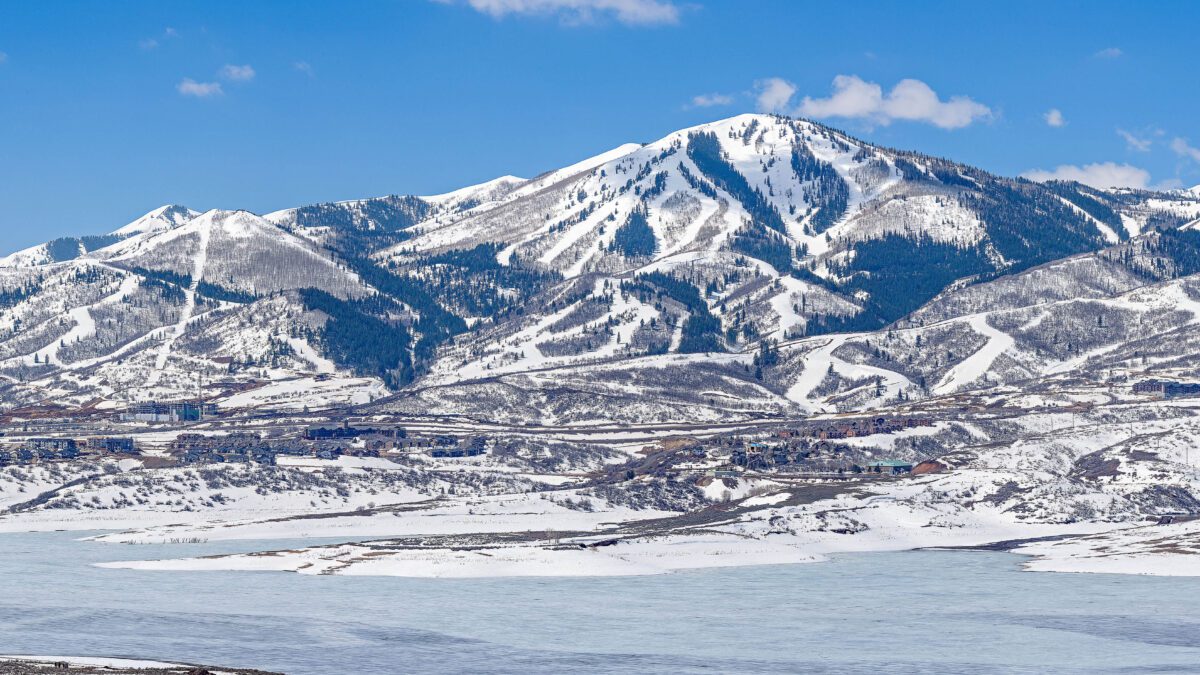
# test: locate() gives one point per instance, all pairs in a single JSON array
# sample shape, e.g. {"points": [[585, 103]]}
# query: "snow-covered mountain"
{"points": [[178, 300], [70, 248], [672, 355], [747, 267]]}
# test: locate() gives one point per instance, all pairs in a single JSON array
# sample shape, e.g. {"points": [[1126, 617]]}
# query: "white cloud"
{"points": [[236, 73], [1109, 53], [914, 100], [1100, 175], [1135, 142], [911, 100], [774, 93], [304, 67], [153, 43], [1054, 118], [710, 100], [852, 97], [1183, 149], [576, 12], [190, 87]]}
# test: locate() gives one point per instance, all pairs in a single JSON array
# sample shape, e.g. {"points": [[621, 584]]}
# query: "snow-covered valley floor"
{"points": [[1081, 476]]}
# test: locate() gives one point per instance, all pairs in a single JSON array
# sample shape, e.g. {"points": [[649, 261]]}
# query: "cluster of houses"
{"points": [[473, 448], [760, 456], [236, 447], [811, 449], [397, 439], [35, 450], [246, 448], [856, 428], [1167, 388], [320, 442]]}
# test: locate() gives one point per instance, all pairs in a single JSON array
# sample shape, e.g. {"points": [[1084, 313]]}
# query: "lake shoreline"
{"points": [[17, 664], [947, 612]]}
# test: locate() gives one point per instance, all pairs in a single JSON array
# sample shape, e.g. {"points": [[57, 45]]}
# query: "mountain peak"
{"points": [[485, 191], [163, 218]]}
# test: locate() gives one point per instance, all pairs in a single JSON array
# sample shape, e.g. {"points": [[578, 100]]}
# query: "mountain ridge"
{"points": [[723, 237]]}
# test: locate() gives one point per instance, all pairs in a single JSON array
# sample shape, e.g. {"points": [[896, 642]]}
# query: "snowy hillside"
{"points": [[728, 346], [174, 304], [761, 255], [70, 248]]}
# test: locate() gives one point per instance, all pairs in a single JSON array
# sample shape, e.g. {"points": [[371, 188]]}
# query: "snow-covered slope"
{"points": [[236, 250], [174, 305], [575, 292], [69, 248], [162, 218], [625, 327]]}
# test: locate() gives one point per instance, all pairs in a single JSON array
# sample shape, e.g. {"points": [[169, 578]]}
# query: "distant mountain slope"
{"points": [[764, 256], [70, 248], [790, 198]]}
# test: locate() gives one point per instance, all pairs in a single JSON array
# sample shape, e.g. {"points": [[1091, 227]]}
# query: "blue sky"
{"points": [[108, 110]]}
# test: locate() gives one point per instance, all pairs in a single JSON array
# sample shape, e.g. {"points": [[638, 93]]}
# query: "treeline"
{"points": [[705, 152], [218, 292], [165, 276], [70, 248], [758, 242], [474, 281], [701, 332], [10, 297], [899, 275], [634, 238], [353, 337], [829, 193], [365, 227], [1089, 204]]}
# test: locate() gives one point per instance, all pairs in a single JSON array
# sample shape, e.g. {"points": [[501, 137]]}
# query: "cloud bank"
{"points": [[774, 94], [236, 73], [1181, 147], [576, 12], [711, 100], [854, 98], [190, 87], [1098, 175]]}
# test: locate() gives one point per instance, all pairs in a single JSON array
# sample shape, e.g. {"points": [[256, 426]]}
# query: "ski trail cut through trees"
{"points": [[189, 307], [975, 365], [816, 367]]}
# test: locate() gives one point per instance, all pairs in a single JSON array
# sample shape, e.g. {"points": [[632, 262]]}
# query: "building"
{"points": [[122, 446], [891, 467], [467, 451], [52, 445], [178, 411], [1166, 388], [347, 431]]}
